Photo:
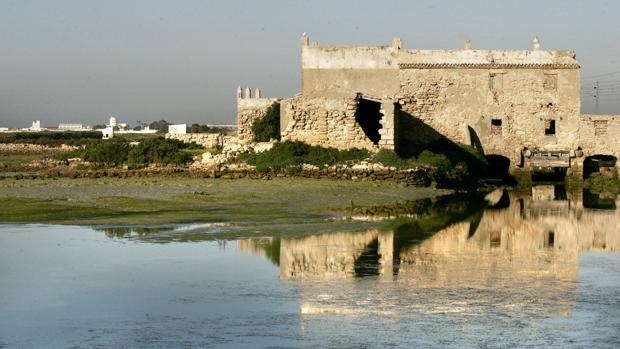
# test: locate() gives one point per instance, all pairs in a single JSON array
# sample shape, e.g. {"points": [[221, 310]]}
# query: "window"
{"points": [[495, 239], [496, 126], [600, 127], [550, 82], [549, 127], [495, 81], [550, 240]]}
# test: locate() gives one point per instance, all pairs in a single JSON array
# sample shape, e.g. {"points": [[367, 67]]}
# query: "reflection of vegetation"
{"points": [[291, 155], [600, 183], [123, 232], [271, 247]]}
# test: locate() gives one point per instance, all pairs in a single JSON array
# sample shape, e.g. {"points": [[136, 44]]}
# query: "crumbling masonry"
{"points": [[521, 105]]}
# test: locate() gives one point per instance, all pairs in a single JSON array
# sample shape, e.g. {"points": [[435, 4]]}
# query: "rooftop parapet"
{"points": [[395, 57]]}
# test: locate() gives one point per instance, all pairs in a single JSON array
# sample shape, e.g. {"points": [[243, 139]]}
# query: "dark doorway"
{"points": [[367, 264], [368, 116], [499, 166], [598, 163]]}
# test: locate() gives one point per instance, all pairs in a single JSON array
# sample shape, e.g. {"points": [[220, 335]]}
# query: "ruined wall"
{"points": [[248, 110], [600, 134], [322, 121], [460, 104], [207, 140], [455, 94]]}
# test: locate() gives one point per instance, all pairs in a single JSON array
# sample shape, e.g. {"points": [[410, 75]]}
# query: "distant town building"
{"points": [[107, 133], [177, 129], [36, 126], [73, 127], [114, 123]]}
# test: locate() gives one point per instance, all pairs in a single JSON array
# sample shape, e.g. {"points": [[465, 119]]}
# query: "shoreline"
{"points": [[178, 200]]}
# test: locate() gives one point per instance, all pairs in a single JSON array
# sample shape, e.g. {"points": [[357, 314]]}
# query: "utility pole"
{"points": [[596, 93]]}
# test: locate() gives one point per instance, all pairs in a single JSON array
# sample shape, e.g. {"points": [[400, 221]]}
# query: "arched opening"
{"points": [[603, 164], [368, 116], [499, 167]]}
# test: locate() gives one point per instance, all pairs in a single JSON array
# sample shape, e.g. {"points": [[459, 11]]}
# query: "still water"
{"points": [[535, 271]]}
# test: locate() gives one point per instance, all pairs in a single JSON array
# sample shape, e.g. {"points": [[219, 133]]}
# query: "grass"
{"points": [[289, 203]]}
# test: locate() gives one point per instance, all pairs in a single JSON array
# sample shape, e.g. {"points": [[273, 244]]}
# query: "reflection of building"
{"points": [[527, 253]]}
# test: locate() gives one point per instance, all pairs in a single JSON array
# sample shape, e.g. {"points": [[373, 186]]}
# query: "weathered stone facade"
{"points": [[249, 109], [207, 140], [518, 104]]}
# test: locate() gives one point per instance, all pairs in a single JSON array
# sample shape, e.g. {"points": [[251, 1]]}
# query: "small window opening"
{"points": [[550, 239], [549, 127], [496, 126], [495, 239], [600, 127], [550, 82]]}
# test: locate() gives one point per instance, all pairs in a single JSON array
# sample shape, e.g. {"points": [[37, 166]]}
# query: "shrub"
{"points": [[112, 152], [267, 127], [52, 139], [599, 183], [291, 155], [116, 152], [160, 151], [439, 161]]}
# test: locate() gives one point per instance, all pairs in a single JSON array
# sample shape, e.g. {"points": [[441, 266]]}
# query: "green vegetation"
{"points": [[268, 127], [599, 183], [118, 151], [200, 128], [291, 155], [426, 158], [51, 139], [286, 204], [447, 173], [161, 126]]}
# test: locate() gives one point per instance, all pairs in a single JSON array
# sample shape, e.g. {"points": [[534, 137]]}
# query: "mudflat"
{"points": [[169, 200]]}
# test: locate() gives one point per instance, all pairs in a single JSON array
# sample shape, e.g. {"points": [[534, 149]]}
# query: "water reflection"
{"points": [[541, 229], [521, 253]]}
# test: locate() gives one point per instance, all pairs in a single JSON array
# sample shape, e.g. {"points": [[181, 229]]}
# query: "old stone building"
{"points": [[520, 106]]}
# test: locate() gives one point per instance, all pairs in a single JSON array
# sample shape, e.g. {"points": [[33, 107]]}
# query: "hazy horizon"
{"points": [[84, 61]]}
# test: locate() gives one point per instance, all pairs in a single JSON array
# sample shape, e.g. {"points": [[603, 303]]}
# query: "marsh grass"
{"points": [[284, 202]]}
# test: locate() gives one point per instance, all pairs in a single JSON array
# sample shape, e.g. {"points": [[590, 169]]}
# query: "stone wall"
{"points": [[600, 134], [248, 110], [322, 121], [21, 148], [503, 102], [207, 140], [461, 105]]}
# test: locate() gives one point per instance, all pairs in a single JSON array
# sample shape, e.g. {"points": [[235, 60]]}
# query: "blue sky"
{"points": [[181, 61]]}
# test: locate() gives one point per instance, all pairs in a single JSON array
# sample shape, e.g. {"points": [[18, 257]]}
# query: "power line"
{"points": [[600, 75]]}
